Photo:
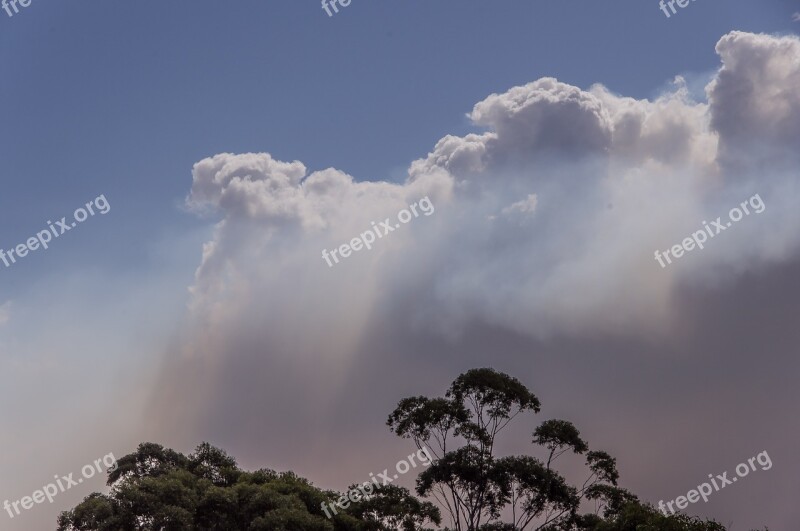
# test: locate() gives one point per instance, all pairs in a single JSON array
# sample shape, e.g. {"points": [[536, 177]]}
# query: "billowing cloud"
{"points": [[545, 226], [611, 178], [755, 104]]}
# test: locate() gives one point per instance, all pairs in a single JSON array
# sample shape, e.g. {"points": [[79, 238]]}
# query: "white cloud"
{"points": [[523, 208], [755, 104], [610, 178]]}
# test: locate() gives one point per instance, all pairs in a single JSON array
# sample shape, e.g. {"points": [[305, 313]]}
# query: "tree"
{"points": [[158, 489], [478, 405], [393, 508], [638, 517], [477, 488]]}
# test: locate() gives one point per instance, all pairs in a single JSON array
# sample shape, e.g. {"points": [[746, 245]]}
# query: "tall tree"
{"points": [[477, 488]]}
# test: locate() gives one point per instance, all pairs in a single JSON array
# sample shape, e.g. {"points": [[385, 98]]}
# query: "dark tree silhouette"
{"points": [[482, 491], [158, 489]]}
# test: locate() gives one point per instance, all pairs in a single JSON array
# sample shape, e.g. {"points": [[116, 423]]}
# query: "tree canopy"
{"points": [[159, 489], [481, 490]]}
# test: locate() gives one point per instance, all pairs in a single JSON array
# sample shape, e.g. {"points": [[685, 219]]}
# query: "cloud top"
{"points": [[550, 215]]}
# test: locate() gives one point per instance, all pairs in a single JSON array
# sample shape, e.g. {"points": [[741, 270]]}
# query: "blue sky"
{"points": [[122, 98]]}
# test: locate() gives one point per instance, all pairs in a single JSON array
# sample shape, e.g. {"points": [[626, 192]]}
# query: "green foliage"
{"points": [[637, 517], [394, 508], [158, 489], [421, 418], [559, 436]]}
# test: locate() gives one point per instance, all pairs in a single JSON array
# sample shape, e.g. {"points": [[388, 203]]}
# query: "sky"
{"points": [[561, 144]]}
